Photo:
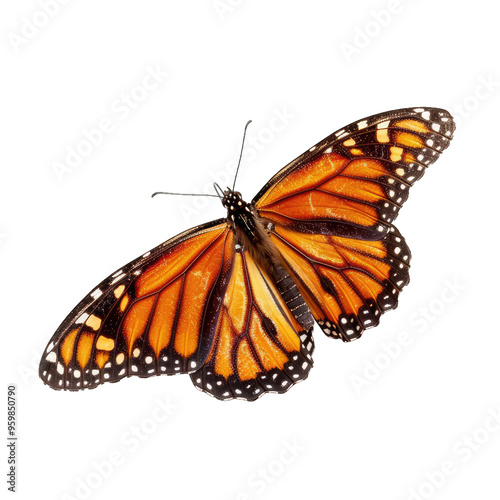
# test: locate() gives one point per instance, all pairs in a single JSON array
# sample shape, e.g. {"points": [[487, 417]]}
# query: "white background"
{"points": [[363, 425]]}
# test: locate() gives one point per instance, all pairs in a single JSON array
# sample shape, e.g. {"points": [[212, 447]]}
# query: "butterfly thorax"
{"points": [[240, 215]]}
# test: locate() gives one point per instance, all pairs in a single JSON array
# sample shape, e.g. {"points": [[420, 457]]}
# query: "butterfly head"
{"points": [[232, 200]]}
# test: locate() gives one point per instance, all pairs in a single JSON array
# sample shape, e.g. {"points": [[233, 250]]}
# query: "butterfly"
{"points": [[233, 302]]}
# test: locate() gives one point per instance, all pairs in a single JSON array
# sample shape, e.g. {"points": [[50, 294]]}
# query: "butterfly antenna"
{"points": [[185, 194], [219, 191], [241, 152]]}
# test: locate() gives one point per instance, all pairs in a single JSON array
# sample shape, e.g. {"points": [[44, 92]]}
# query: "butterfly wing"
{"points": [[157, 315], [330, 214], [259, 346], [354, 182], [347, 283]]}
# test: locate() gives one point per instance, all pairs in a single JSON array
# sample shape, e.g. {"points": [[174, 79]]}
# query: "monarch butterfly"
{"points": [[232, 302]]}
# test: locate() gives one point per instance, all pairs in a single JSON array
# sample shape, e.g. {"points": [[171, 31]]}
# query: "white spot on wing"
{"points": [[118, 277], [82, 318], [51, 357]]}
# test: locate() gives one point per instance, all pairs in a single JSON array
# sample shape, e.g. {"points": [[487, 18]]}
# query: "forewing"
{"points": [[259, 346], [157, 315], [354, 182]]}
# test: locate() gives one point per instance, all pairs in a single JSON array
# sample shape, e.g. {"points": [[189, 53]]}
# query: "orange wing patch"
{"points": [[101, 358], [259, 346], [304, 179], [67, 346], [84, 349], [415, 125], [162, 324], [136, 320], [346, 283]]}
